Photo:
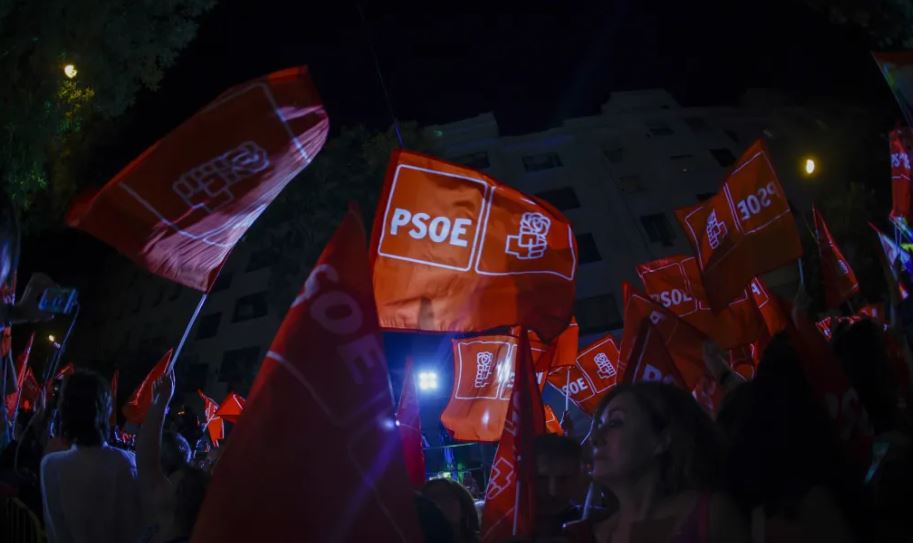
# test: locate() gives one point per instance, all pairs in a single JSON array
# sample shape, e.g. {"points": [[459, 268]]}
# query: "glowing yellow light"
{"points": [[810, 166], [70, 70], [52, 339]]}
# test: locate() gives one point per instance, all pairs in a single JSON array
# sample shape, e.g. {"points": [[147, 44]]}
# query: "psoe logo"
{"points": [[531, 242], [484, 367], [208, 186], [604, 368], [716, 230]]}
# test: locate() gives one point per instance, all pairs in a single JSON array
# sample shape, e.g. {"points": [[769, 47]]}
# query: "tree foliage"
{"points": [[118, 47], [889, 23]]}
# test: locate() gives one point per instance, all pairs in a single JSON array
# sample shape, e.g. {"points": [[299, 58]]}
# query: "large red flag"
{"points": [[113, 418], [139, 402], [215, 427], [675, 282], [593, 375], [180, 207], [409, 422], [840, 282], [319, 420], [455, 250], [231, 407], [510, 498], [650, 360], [745, 230], [901, 146], [14, 399]]}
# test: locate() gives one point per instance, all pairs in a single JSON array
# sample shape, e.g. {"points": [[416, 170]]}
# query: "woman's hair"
{"points": [[694, 457], [469, 518], [85, 404]]}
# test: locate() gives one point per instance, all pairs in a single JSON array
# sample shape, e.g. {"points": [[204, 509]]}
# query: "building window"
{"points": [[723, 156], [239, 364], [732, 135], [479, 160], [659, 128], [260, 259], [587, 252], [597, 314], [704, 196], [250, 307], [658, 228], [697, 124], [614, 153], [223, 282], [630, 183], [543, 161], [564, 198], [209, 326]]}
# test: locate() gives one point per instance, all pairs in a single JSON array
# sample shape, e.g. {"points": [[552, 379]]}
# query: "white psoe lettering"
{"points": [[438, 229]]}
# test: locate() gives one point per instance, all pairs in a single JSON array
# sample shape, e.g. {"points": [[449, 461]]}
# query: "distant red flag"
{"points": [[30, 392], [743, 231], [456, 250], [15, 398], [179, 208], [552, 424], [114, 378], [650, 360], [874, 312], [320, 413], [744, 360], [901, 146], [409, 422], [510, 498], [594, 374], [840, 282], [675, 282], [139, 402], [231, 407], [214, 425], [65, 372]]}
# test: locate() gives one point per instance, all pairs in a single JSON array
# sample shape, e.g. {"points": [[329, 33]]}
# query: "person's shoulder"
{"points": [[121, 455], [53, 461]]}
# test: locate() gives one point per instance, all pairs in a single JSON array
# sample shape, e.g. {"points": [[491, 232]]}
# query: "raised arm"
{"points": [[152, 480]]}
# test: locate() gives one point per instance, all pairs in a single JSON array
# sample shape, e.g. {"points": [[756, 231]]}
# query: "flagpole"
{"points": [[801, 274], [567, 391], [190, 323], [517, 504]]}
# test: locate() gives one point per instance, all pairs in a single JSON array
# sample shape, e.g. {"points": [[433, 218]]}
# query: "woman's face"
{"points": [[624, 442]]}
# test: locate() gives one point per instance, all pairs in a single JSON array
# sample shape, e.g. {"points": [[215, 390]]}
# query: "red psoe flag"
{"points": [[320, 415], [840, 282], [179, 208], [409, 422], [591, 378], [745, 230], [675, 283], [650, 360], [775, 316], [231, 407], [214, 425], [561, 352], [510, 498], [114, 378], [901, 146], [139, 402], [454, 250], [15, 398]]}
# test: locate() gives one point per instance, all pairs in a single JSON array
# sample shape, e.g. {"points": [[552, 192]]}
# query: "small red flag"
{"points": [[15, 398], [840, 282], [552, 424], [139, 402], [65, 372], [114, 378], [409, 422], [901, 144], [319, 414], [214, 425], [510, 498], [594, 374], [745, 230], [231, 407], [180, 207], [454, 250]]}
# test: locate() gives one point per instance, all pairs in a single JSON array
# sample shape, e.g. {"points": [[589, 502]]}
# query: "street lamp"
{"points": [[51, 338], [810, 166], [70, 71]]}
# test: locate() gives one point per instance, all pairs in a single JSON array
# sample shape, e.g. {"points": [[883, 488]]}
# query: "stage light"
{"points": [[427, 380]]}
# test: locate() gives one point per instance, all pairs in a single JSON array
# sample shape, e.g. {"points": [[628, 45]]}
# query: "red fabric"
{"points": [[650, 360], [744, 360], [561, 352], [874, 312], [231, 407], [743, 231], [454, 250], [552, 424], [316, 455], [179, 208], [901, 146], [214, 425], [22, 370], [591, 378], [773, 313], [839, 280], [409, 422], [675, 282], [30, 392], [138, 404], [65, 372], [113, 419], [510, 498]]}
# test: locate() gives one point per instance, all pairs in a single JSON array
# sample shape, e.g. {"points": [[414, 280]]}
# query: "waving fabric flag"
{"points": [[139, 402], [840, 282], [552, 424], [15, 398], [179, 208], [457, 251], [65, 372], [214, 425], [409, 422], [650, 360], [320, 413], [561, 352], [675, 282], [510, 498], [897, 68], [901, 145], [594, 374], [745, 230], [231, 407]]}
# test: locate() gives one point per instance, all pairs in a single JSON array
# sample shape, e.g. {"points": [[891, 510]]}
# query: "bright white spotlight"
{"points": [[427, 380]]}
